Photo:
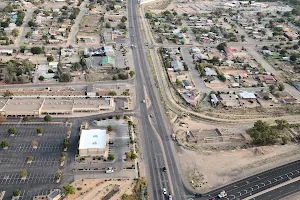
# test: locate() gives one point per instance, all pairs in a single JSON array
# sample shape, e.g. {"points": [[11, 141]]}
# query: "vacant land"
{"points": [[204, 172], [97, 189]]}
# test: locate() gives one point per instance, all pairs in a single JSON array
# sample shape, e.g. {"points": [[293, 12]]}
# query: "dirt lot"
{"points": [[97, 189], [93, 75], [235, 164]]}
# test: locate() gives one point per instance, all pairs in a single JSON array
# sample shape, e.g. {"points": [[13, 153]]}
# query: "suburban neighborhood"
{"points": [[148, 99]]}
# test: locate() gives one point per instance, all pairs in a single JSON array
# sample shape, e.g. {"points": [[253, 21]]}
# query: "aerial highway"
{"points": [[260, 182], [156, 140], [158, 150]]}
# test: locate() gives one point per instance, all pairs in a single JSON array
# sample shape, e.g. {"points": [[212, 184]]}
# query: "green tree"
{"points": [[68, 189], [263, 134], [261, 125], [4, 144], [111, 156], [23, 173], [50, 58], [110, 128], [184, 29], [293, 57], [124, 19], [36, 50], [148, 15], [12, 131], [15, 32], [30, 158], [131, 73], [272, 88], [112, 93], [65, 77], [58, 174], [221, 77], [17, 193], [26, 119], [66, 143], [39, 130], [8, 93], [281, 87], [41, 78], [4, 24], [178, 83], [124, 196], [77, 66], [48, 118], [31, 23], [281, 124], [118, 117], [221, 46], [107, 25]]}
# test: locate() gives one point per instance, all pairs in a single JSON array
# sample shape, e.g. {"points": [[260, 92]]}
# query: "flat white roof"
{"points": [[93, 138]]}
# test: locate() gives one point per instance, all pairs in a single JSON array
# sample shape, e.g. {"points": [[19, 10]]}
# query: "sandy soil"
{"points": [[214, 169], [97, 189]]}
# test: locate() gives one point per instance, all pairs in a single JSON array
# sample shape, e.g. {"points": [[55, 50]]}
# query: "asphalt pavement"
{"points": [[281, 192], [260, 182], [156, 143]]}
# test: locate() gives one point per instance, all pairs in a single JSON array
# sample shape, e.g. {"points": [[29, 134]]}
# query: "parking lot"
{"points": [[46, 158], [37, 162], [32, 177], [42, 147], [119, 144]]}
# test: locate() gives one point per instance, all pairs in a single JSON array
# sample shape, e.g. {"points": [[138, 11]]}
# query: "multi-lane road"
{"points": [[158, 149], [262, 181], [156, 141]]}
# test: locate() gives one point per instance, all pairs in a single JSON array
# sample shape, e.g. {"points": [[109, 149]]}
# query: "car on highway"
{"points": [[109, 170], [151, 115], [164, 191], [170, 197], [144, 101], [222, 194], [164, 169]]}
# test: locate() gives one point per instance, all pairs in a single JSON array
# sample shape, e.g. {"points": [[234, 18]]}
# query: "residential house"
{"points": [[247, 95], [210, 72], [53, 65], [228, 51], [177, 65], [268, 79], [67, 52], [201, 56], [195, 50]]}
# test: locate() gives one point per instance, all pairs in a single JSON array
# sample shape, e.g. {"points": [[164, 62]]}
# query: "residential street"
{"points": [[75, 28]]}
